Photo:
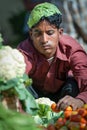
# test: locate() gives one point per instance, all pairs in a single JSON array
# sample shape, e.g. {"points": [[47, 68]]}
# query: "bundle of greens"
{"points": [[45, 115]]}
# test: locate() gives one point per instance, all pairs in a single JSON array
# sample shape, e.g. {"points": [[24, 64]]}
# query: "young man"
{"points": [[56, 62]]}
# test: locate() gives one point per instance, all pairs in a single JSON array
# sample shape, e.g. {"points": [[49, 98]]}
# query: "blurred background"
{"points": [[14, 15]]}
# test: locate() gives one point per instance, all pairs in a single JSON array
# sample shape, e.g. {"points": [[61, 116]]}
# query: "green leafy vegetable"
{"points": [[18, 84], [45, 115], [13, 77], [11, 120]]}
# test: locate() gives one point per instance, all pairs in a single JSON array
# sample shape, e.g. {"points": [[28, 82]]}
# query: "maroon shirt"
{"points": [[70, 57]]}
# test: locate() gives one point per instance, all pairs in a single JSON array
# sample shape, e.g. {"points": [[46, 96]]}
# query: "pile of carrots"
{"points": [[72, 120]]}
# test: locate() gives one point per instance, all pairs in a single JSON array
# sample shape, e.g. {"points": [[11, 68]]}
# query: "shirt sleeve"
{"points": [[25, 48], [78, 63], [28, 61]]}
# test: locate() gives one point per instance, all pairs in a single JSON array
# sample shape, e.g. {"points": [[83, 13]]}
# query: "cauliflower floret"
{"points": [[44, 100], [12, 63]]}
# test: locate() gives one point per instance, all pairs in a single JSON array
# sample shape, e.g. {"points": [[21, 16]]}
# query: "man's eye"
{"points": [[37, 34], [50, 32]]}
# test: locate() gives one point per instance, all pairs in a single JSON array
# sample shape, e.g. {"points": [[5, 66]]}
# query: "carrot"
{"points": [[75, 118], [51, 127], [82, 126], [82, 112], [69, 108], [60, 122], [67, 114], [83, 120], [54, 107]]}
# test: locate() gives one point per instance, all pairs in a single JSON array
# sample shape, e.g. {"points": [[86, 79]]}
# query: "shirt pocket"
{"points": [[58, 84]]}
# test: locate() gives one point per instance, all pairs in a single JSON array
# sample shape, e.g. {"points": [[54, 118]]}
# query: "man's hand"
{"points": [[69, 101]]}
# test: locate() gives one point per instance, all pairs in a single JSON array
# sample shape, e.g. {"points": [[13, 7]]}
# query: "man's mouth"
{"points": [[45, 47]]}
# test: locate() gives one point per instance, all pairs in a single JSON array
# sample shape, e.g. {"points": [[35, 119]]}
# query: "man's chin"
{"points": [[47, 54]]}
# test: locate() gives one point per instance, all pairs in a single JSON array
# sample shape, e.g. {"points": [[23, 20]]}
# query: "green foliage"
{"points": [[15, 82], [45, 115], [11, 120], [43, 109], [18, 85]]}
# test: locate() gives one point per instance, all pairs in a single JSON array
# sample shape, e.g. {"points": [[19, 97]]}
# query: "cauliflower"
{"points": [[13, 80], [44, 100], [12, 63]]}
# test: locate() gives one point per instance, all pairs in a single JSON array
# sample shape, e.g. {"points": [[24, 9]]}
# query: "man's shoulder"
{"points": [[25, 45], [68, 46], [66, 39], [70, 43]]}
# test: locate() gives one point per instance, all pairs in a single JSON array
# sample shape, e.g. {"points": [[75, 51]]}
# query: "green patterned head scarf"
{"points": [[42, 10]]}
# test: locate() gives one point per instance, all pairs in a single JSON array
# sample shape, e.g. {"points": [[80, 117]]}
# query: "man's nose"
{"points": [[44, 38]]}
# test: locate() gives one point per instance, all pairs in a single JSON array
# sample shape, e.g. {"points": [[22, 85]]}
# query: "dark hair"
{"points": [[55, 19]]}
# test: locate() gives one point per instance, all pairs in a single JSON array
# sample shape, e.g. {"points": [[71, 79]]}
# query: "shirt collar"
{"points": [[60, 53]]}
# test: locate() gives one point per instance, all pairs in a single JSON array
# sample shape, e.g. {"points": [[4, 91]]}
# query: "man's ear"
{"points": [[60, 31], [30, 33]]}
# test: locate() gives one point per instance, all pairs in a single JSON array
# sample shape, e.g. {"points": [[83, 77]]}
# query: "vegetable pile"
{"points": [[71, 120]]}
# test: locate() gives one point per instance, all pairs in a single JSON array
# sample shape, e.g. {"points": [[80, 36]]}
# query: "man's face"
{"points": [[45, 38]]}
